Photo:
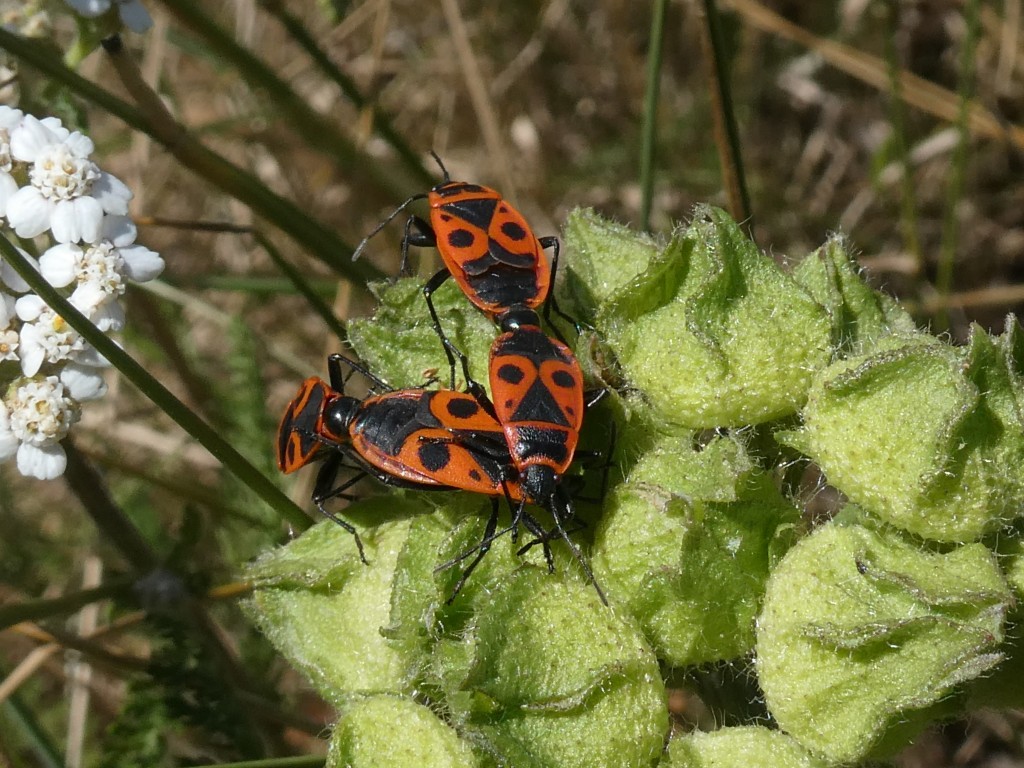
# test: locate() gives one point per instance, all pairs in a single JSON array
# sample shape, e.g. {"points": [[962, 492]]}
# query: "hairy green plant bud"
{"points": [[686, 545], [859, 315], [392, 732], [399, 344], [747, 746], [323, 608], [712, 331], [860, 629], [928, 437]]}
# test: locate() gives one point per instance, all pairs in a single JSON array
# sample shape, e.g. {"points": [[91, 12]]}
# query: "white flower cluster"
{"points": [[50, 187]]}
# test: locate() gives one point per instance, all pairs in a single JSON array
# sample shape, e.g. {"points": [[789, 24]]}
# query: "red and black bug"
{"points": [[487, 246], [536, 381], [415, 438]]}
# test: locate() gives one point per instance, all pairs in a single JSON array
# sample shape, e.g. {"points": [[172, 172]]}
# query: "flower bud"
{"points": [[860, 629], [710, 329], [926, 436]]}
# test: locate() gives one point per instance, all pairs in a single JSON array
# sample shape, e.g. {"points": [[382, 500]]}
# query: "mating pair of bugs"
{"points": [[520, 445]]}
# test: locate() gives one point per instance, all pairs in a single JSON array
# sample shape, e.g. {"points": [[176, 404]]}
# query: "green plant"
{"points": [[729, 377]]}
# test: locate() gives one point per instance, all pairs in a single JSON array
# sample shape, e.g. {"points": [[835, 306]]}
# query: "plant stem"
{"points": [[908, 216], [381, 122], [286, 104], [33, 610], [157, 392], [649, 128], [958, 164], [317, 304], [725, 132], [87, 484], [156, 123], [35, 739]]}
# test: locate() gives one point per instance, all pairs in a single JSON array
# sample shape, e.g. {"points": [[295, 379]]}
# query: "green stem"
{"points": [[291, 108], [908, 215], [87, 484], [727, 138], [34, 610], [157, 392], [381, 122], [958, 164], [33, 736], [155, 122], [302, 286], [650, 119]]}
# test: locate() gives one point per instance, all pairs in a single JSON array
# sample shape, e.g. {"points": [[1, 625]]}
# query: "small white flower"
{"points": [[9, 120], [8, 442], [98, 271], [132, 12], [36, 416], [45, 336], [8, 345], [83, 382], [68, 193], [103, 263]]}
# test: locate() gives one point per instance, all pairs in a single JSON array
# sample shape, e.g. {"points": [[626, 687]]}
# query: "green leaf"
{"points": [[860, 628]]}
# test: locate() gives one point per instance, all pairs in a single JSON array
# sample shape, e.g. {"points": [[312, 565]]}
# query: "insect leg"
{"points": [[482, 549], [322, 491]]}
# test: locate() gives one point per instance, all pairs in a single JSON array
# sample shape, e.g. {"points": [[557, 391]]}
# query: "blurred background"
{"points": [[898, 123]]}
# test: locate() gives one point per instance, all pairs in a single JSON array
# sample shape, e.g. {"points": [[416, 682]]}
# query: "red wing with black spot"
{"points": [[297, 444], [489, 248], [440, 439], [537, 388]]}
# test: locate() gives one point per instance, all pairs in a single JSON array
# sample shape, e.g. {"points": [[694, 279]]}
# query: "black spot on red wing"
{"points": [[475, 476], [563, 379], [445, 217], [434, 456], [538, 404], [460, 238], [511, 374], [453, 188], [509, 404], [476, 211], [463, 408], [513, 231]]}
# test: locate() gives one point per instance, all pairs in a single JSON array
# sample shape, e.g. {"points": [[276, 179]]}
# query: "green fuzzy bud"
{"points": [[713, 332], [604, 257], [746, 746], [399, 343], [555, 678], [323, 609], [859, 629], [390, 732], [858, 313], [928, 437], [686, 546]]}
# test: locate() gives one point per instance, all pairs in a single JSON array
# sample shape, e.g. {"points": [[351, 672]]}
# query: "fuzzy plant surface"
{"points": [[731, 380]]}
